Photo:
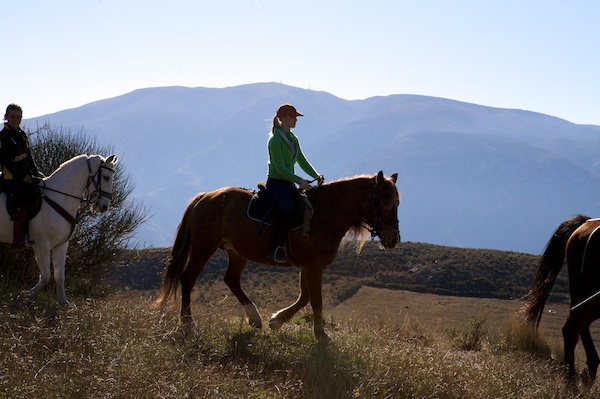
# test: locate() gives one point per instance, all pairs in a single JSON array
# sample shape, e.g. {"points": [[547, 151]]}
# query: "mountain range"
{"points": [[470, 175]]}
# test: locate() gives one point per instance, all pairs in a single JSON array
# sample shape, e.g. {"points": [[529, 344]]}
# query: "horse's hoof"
{"points": [[323, 339], [254, 319], [586, 378], [256, 323], [275, 324], [26, 295], [186, 329]]}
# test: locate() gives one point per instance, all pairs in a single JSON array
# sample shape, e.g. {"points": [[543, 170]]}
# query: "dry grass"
{"points": [[122, 347]]}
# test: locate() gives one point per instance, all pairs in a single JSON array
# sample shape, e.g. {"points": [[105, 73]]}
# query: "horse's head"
{"points": [[381, 210], [100, 184]]}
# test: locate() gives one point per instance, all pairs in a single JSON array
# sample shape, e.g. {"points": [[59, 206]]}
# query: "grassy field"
{"points": [[386, 343]]}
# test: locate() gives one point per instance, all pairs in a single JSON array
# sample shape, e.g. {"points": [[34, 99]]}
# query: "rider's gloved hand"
{"points": [[304, 184], [320, 180]]}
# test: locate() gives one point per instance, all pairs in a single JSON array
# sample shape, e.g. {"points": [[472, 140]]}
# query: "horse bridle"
{"points": [[96, 179], [376, 228]]}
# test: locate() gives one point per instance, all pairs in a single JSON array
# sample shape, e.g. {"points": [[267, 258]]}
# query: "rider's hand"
{"points": [[304, 184], [27, 179], [320, 180]]}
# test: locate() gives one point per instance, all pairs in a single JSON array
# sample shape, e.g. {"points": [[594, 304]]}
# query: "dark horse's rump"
{"points": [[575, 240], [218, 219]]}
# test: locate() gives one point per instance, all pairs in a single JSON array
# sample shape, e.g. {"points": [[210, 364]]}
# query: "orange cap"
{"points": [[288, 110]]}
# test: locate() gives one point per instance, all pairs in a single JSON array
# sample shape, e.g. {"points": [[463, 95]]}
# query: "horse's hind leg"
{"points": [[283, 315], [592, 355], [232, 279], [570, 337], [195, 265]]}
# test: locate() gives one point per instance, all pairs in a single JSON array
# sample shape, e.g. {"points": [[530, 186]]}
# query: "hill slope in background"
{"points": [[418, 267], [470, 176]]}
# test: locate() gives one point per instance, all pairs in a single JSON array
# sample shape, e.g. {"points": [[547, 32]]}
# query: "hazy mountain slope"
{"points": [[470, 175]]}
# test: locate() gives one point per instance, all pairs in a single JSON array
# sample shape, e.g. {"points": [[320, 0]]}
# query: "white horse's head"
{"points": [[100, 184]]}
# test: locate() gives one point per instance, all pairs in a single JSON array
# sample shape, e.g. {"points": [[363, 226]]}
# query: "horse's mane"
{"points": [[73, 160], [343, 179], [67, 163], [358, 234]]}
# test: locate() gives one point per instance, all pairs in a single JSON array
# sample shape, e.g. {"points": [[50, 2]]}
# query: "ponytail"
{"points": [[276, 124]]}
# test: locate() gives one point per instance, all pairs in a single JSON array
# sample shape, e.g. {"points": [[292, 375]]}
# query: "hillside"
{"points": [[411, 266]]}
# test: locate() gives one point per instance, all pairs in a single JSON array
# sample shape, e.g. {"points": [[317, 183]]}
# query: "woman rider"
{"points": [[18, 171], [284, 152]]}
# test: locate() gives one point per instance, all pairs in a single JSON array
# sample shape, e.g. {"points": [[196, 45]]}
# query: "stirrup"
{"points": [[279, 254]]}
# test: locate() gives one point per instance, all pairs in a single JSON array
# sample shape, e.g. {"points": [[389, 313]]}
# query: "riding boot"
{"points": [[277, 250], [19, 228]]}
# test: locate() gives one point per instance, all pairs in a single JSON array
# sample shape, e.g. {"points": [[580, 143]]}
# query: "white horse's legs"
{"points": [[59, 257], [42, 258]]}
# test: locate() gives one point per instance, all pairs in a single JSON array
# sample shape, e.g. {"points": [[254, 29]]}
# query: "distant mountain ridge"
{"points": [[470, 175]]}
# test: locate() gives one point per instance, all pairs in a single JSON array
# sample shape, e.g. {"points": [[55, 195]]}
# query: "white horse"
{"points": [[84, 178]]}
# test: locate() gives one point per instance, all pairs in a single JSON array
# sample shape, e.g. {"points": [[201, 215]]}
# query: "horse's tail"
{"points": [[177, 261], [548, 268]]}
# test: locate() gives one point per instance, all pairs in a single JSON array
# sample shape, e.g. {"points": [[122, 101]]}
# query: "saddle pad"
{"points": [[260, 208]]}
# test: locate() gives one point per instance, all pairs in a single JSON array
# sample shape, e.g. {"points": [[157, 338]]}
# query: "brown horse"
{"points": [[218, 219], [577, 239]]}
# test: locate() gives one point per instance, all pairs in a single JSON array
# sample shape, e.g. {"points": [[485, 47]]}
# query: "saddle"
{"points": [[32, 209], [260, 209]]}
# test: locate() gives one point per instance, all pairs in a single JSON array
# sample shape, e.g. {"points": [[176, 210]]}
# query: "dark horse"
{"points": [[218, 219], [577, 239]]}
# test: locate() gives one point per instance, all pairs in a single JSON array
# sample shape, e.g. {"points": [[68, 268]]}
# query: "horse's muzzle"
{"points": [[390, 241]]}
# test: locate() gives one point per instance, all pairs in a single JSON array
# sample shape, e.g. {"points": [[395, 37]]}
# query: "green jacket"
{"points": [[282, 159]]}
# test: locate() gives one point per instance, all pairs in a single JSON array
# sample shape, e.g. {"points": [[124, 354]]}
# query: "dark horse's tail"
{"points": [[548, 267], [177, 261]]}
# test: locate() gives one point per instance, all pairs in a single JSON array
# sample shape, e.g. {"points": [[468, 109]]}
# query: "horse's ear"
{"points": [[394, 177], [380, 179], [112, 159]]}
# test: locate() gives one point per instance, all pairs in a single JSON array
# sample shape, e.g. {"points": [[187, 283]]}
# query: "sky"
{"points": [[536, 55]]}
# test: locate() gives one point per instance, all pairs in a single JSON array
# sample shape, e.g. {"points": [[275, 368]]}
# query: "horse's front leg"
{"points": [[232, 279], [42, 258], [284, 315], [314, 281], [59, 257]]}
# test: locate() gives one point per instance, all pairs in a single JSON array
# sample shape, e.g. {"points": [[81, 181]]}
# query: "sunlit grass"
{"points": [[123, 347]]}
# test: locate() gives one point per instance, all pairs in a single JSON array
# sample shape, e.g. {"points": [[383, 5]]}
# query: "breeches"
{"points": [[282, 192]]}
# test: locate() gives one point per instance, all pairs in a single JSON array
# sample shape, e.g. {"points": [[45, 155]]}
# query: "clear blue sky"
{"points": [[537, 55]]}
